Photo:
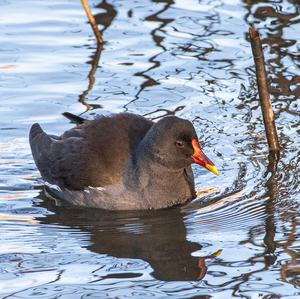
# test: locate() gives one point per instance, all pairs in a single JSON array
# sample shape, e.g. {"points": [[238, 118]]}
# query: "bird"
{"points": [[121, 161]]}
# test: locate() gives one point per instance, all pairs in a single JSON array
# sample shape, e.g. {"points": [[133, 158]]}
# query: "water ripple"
{"points": [[186, 58]]}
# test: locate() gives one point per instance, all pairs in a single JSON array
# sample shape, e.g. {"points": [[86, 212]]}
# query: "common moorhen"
{"points": [[121, 162]]}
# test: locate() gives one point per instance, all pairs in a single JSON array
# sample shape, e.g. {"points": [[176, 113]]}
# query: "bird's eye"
{"points": [[179, 143]]}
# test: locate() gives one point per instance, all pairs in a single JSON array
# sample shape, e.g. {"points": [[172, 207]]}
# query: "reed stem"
{"points": [[93, 23], [264, 96]]}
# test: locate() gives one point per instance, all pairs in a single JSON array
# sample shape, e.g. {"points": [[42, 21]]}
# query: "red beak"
{"points": [[200, 158]]}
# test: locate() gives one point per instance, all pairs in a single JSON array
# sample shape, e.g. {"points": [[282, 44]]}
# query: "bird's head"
{"points": [[173, 142]]}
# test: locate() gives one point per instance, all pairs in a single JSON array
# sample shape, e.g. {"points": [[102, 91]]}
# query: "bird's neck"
{"points": [[158, 185]]}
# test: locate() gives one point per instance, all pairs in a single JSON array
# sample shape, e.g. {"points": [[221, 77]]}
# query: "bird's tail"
{"points": [[35, 131], [74, 118], [38, 141]]}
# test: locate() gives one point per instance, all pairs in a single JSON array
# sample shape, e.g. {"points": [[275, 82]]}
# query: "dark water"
{"points": [[185, 57]]}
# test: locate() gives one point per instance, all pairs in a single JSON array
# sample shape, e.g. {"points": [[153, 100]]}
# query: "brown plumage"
{"points": [[124, 161]]}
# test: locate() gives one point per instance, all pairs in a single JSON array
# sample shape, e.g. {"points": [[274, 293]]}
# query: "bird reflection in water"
{"points": [[157, 237]]}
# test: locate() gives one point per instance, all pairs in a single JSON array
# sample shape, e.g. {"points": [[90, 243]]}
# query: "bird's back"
{"points": [[94, 153]]}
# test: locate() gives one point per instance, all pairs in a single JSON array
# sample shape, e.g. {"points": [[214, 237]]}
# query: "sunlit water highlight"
{"points": [[189, 58]]}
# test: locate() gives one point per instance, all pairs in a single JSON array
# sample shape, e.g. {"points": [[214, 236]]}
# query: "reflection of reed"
{"points": [[105, 19], [284, 80], [272, 193], [91, 78], [166, 112], [285, 83], [95, 61], [291, 268], [158, 40], [271, 133]]}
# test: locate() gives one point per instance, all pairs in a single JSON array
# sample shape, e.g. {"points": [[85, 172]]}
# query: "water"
{"points": [[188, 58]]}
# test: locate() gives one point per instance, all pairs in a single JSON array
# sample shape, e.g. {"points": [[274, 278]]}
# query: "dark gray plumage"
{"points": [[121, 162]]}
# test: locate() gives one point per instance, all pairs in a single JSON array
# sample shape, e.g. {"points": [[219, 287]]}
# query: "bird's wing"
{"points": [[60, 161], [94, 153]]}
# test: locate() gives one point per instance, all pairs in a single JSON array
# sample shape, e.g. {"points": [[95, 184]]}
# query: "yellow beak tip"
{"points": [[212, 168]]}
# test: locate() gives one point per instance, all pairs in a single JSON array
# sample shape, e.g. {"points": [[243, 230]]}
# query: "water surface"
{"points": [[186, 58]]}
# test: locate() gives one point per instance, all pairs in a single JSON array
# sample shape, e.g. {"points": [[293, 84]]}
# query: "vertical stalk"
{"points": [[264, 96], [92, 22]]}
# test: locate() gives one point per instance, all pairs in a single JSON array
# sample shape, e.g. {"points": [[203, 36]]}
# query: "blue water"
{"points": [[188, 58]]}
